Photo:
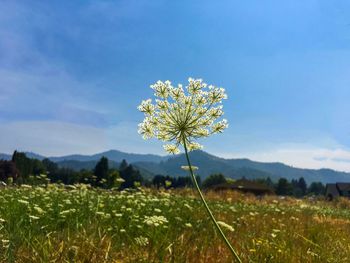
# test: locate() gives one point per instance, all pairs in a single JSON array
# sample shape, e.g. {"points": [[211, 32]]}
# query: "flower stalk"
{"points": [[181, 117], [234, 253]]}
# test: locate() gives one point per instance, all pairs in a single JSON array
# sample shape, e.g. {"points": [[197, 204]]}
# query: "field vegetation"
{"points": [[57, 223]]}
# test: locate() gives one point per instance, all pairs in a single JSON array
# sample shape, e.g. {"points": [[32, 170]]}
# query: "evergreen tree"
{"points": [[101, 171], [23, 164], [130, 176], [302, 185], [317, 188], [283, 187], [214, 179], [123, 165]]}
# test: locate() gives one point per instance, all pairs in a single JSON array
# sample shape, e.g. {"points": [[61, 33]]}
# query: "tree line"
{"points": [[23, 170], [295, 187]]}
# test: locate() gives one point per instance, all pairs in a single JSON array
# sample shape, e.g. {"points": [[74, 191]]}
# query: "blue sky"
{"points": [[73, 72]]}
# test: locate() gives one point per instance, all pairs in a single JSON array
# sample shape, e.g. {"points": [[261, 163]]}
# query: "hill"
{"points": [[113, 155], [237, 168], [150, 165]]}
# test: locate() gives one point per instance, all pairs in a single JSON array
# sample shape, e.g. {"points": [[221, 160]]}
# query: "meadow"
{"points": [[57, 223]]}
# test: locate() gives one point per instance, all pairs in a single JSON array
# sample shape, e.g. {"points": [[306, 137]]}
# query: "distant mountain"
{"points": [[236, 168], [113, 155], [90, 165], [150, 165], [4, 156]]}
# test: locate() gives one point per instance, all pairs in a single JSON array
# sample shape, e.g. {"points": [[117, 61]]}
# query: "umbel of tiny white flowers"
{"points": [[179, 114]]}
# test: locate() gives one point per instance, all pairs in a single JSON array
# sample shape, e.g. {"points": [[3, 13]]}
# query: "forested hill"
{"points": [[207, 163]]}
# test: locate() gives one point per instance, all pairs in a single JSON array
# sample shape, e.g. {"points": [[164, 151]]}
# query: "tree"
{"points": [[101, 171], [158, 181], [113, 175], [316, 188], [302, 185], [214, 179], [283, 187], [130, 177], [123, 165], [8, 169], [23, 164]]}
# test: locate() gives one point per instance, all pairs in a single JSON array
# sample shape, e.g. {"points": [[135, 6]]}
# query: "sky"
{"points": [[72, 74]]}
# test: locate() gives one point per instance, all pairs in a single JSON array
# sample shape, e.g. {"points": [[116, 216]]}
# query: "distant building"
{"points": [[337, 189], [8, 169], [245, 186]]}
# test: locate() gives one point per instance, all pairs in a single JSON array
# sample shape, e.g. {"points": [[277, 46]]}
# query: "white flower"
{"points": [[227, 226], [141, 241], [155, 220], [189, 225], [179, 117], [187, 168]]}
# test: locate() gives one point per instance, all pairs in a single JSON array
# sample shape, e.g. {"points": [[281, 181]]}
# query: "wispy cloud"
{"points": [[301, 155]]}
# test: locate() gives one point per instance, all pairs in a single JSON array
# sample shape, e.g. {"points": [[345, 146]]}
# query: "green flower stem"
{"points": [[207, 207]]}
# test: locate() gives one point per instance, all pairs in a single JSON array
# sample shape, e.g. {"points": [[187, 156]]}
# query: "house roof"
{"points": [[244, 185], [332, 189], [343, 186]]}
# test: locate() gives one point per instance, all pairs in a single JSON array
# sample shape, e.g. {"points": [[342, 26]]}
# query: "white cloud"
{"points": [[301, 155]]}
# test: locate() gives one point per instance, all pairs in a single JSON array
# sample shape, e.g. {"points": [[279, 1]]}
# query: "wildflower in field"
{"points": [[24, 202], [181, 116], [141, 241], [189, 225], [155, 220], [39, 210], [177, 117], [227, 226], [187, 168], [5, 243], [187, 206], [66, 212]]}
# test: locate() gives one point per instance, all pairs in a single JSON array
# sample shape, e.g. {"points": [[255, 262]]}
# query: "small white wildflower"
{"points": [[187, 168], [188, 206], [24, 202], [227, 226], [141, 241], [39, 210], [189, 225], [155, 220], [26, 186], [120, 180]]}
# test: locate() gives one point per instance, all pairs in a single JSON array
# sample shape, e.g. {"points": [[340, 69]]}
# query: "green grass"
{"points": [[79, 224]]}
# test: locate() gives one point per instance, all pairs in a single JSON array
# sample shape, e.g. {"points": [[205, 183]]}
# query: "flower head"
{"points": [[179, 115]]}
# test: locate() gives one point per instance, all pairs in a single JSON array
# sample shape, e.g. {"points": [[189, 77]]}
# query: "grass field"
{"points": [[78, 224]]}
